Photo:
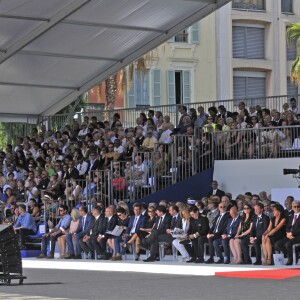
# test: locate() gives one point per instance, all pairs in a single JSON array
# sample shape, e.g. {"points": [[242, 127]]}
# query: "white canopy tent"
{"points": [[51, 51]]}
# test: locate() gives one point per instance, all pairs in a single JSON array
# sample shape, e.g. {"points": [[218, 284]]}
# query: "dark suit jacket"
{"points": [[199, 226], [89, 222], [176, 222], [73, 174], [288, 214], [98, 227], [260, 226], [139, 223], [222, 225], [231, 229], [219, 193], [96, 165], [111, 224], [295, 230], [166, 223]]}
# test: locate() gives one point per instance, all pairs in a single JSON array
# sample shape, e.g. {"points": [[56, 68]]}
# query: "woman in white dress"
{"points": [[185, 221]]}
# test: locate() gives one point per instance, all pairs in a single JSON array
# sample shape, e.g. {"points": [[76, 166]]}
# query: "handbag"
{"points": [[278, 259]]}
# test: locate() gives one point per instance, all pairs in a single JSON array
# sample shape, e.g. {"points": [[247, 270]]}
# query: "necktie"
{"points": [[159, 223], [83, 226], [294, 220], [258, 219], [231, 226], [217, 224], [173, 222], [134, 225]]}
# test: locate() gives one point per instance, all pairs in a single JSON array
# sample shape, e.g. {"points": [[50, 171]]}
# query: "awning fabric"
{"points": [[51, 51]]}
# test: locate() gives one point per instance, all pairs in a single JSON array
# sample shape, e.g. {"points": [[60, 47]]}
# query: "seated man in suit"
{"points": [[260, 224], [163, 222], [292, 233], [199, 227], [216, 231], [89, 242], [229, 233], [175, 223], [110, 222], [86, 222], [135, 223]]}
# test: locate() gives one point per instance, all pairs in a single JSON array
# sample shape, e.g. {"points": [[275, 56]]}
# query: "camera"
{"points": [[291, 171]]}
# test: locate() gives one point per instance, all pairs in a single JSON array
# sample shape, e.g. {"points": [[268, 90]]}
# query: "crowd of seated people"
{"points": [[40, 165], [216, 228]]}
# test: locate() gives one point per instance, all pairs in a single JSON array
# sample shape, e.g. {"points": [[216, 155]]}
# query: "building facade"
{"points": [[237, 52]]}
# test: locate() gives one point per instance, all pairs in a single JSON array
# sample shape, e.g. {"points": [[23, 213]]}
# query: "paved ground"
{"points": [[68, 284]]}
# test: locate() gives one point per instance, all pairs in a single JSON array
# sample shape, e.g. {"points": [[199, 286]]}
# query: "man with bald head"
{"points": [[229, 233]]}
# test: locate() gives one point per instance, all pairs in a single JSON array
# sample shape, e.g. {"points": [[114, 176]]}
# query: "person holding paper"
{"points": [[114, 241]]}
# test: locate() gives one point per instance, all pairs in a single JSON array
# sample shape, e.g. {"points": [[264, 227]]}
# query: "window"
{"points": [[249, 4], [248, 42], [292, 89], [291, 50], [179, 87], [250, 86], [182, 37], [189, 35], [287, 6], [139, 91]]}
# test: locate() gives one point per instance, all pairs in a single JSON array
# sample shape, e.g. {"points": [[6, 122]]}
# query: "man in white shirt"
{"points": [[165, 137], [82, 166]]}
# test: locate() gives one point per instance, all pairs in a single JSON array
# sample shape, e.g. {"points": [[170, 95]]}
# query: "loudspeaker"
{"points": [[10, 255]]}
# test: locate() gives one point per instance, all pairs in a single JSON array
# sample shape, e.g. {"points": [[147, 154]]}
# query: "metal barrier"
{"points": [[261, 143]]}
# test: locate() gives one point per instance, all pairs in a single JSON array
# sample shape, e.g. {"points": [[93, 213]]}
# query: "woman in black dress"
{"points": [[274, 233], [243, 234]]}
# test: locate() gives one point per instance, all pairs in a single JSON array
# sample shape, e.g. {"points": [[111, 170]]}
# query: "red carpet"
{"points": [[266, 274]]}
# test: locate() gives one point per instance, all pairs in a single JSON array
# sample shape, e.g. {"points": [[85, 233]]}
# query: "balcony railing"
{"points": [[182, 38], [248, 4]]}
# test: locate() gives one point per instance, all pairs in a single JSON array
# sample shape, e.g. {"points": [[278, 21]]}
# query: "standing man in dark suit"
{"points": [[163, 222], [289, 212], [260, 224], [110, 222], [72, 171], [229, 233], [93, 163], [89, 242], [216, 232], [215, 191], [86, 222], [292, 234]]}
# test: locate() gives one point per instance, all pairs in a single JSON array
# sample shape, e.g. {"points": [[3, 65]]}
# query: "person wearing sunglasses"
{"points": [[216, 232], [57, 231], [292, 234]]}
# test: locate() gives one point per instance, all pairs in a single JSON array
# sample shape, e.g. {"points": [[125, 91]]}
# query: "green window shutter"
{"points": [[195, 33], [131, 93], [156, 81], [186, 86], [171, 40]]}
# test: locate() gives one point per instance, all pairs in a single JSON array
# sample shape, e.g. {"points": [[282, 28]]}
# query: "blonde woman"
{"points": [[73, 227], [185, 221]]}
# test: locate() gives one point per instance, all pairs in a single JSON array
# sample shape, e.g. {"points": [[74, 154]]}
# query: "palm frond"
{"points": [[292, 33]]}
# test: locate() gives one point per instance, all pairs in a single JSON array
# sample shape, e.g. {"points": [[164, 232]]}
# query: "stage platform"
{"points": [[160, 267]]}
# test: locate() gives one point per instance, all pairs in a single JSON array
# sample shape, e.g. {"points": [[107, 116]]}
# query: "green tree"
{"points": [[293, 35]]}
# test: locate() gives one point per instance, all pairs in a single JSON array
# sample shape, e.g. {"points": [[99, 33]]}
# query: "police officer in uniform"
{"points": [[199, 226]]}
